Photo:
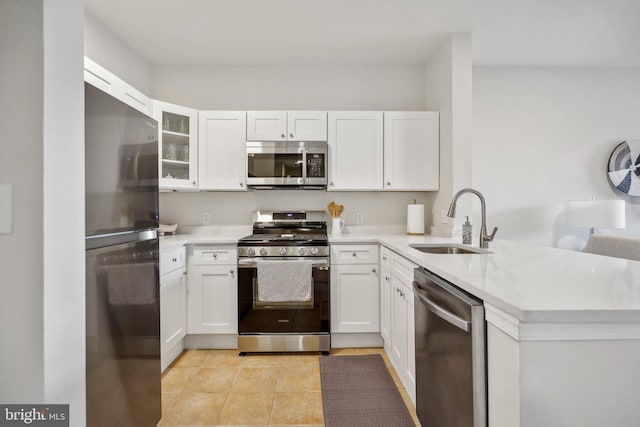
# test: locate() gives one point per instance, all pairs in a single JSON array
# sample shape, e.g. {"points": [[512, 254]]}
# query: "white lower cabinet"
{"points": [[385, 296], [212, 306], [355, 298], [400, 342], [173, 305]]}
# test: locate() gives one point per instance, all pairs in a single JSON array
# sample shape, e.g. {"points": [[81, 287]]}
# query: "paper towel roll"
{"points": [[415, 219]]}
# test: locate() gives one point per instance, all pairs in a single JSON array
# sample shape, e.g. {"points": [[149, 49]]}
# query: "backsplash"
{"points": [[230, 208]]}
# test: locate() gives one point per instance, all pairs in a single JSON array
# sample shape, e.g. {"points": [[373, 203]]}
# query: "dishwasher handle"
{"points": [[442, 313]]}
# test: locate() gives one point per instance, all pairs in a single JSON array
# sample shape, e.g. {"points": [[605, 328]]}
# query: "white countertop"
{"points": [[205, 235], [530, 283]]}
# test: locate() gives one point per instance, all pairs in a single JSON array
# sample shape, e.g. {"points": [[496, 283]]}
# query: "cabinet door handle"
{"points": [[332, 184], [354, 255], [374, 270], [215, 256], [291, 135], [242, 184], [283, 136], [231, 272], [388, 183]]}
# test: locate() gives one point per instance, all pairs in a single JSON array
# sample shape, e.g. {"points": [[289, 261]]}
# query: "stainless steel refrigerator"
{"points": [[122, 287]]}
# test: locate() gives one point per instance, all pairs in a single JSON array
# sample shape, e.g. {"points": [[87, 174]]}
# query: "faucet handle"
{"points": [[489, 238]]}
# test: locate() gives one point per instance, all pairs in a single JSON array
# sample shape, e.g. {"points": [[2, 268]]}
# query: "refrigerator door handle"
{"points": [[104, 240], [444, 314]]}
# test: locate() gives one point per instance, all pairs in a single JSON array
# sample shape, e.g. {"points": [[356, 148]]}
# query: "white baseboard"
{"points": [[356, 340], [211, 341]]}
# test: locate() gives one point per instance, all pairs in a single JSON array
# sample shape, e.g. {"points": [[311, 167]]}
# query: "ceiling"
{"points": [[591, 33]]}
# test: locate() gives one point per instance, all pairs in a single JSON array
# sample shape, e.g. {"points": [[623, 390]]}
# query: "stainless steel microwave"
{"points": [[286, 164]]}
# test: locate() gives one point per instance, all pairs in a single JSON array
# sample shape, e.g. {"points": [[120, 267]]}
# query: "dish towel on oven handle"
{"points": [[284, 280]]}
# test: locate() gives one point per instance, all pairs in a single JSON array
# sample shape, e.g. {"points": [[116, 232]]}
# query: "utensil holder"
{"points": [[337, 224]]}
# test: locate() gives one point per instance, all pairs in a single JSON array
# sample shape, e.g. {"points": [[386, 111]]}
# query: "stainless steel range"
{"points": [[283, 283]]}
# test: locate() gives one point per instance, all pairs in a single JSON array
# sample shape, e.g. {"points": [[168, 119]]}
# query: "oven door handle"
{"points": [[252, 262]]}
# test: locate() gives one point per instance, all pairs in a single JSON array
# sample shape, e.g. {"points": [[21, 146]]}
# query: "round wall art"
{"points": [[624, 167]]}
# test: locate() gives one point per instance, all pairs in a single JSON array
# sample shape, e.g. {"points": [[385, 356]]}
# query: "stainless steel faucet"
{"points": [[484, 238]]}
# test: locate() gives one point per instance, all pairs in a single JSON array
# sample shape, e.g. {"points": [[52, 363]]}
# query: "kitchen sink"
{"points": [[448, 249]]}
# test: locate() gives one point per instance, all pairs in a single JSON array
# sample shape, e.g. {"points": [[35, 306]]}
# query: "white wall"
{"points": [[544, 135], [235, 208], [109, 51], [21, 271], [290, 88], [448, 90], [63, 207], [42, 273]]}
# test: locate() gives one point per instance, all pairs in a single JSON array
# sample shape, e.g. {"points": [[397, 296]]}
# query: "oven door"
{"points": [[286, 163], [255, 317]]}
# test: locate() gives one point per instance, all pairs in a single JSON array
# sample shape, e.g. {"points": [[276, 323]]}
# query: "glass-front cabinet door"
{"points": [[178, 157]]}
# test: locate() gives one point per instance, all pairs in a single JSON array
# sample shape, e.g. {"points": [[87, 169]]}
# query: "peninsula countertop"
{"points": [[530, 283]]}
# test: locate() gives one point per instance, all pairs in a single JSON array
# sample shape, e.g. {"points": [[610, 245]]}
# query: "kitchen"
{"points": [[523, 213]]}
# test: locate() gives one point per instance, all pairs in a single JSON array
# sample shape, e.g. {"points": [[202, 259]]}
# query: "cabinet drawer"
{"points": [[385, 257], [402, 268], [213, 255], [354, 254], [172, 260]]}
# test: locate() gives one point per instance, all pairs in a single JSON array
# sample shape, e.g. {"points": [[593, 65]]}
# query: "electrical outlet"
{"points": [[206, 217], [359, 217]]}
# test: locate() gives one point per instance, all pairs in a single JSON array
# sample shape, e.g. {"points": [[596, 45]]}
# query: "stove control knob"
{"points": [[283, 251], [263, 251], [301, 251], [314, 251], [251, 252]]}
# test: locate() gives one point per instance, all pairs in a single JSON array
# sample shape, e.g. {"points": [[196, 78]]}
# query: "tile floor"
{"points": [[218, 387]]}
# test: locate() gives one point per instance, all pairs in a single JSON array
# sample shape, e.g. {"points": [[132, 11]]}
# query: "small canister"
{"points": [[467, 232]]}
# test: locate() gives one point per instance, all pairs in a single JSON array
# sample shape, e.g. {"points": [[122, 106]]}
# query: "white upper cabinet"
{"points": [[286, 126], [222, 139], [411, 151], [108, 82], [307, 125], [266, 126], [355, 140], [178, 146]]}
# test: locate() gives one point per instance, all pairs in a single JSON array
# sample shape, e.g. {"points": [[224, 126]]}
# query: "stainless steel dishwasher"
{"points": [[451, 380]]}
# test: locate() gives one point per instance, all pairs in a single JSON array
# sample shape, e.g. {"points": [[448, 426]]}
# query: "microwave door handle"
{"points": [[305, 179]]}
